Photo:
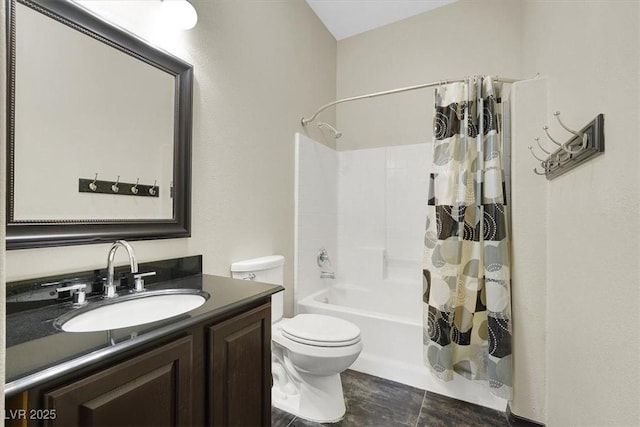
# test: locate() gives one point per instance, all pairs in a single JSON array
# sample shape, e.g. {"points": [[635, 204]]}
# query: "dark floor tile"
{"points": [[299, 422], [442, 411], [377, 402], [280, 418]]}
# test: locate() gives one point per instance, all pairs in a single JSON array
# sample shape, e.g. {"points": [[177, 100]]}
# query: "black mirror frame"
{"points": [[34, 234]]}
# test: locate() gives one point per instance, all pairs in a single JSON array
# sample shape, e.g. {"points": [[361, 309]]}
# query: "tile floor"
{"points": [[376, 402]]}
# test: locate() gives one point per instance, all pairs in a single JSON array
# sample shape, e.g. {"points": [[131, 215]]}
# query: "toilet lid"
{"points": [[320, 330]]}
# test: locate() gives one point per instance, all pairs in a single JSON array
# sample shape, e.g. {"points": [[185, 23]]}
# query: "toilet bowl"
{"points": [[306, 371], [308, 351]]}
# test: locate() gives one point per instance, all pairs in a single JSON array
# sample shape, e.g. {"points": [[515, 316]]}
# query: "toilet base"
{"points": [[317, 398]]}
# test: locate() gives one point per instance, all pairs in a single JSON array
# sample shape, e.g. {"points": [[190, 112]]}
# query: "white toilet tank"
{"points": [[267, 269]]}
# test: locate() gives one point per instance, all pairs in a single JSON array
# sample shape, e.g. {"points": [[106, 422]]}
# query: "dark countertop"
{"points": [[37, 352]]}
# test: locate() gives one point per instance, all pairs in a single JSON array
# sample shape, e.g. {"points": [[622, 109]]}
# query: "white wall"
{"points": [[382, 199], [589, 51], [316, 216], [367, 208], [259, 66], [362, 216]]}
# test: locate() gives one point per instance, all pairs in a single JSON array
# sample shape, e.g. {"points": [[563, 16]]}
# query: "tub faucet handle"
{"points": [[323, 257]]}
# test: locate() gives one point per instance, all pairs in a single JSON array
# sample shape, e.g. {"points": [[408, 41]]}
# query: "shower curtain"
{"points": [[466, 279]]}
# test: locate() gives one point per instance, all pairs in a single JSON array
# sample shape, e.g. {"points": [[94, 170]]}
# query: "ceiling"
{"points": [[346, 18]]}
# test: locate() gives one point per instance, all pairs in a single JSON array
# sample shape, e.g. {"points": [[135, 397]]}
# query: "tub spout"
{"points": [[327, 275]]}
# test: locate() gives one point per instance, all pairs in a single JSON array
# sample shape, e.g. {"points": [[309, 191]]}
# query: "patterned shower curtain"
{"points": [[466, 279]]}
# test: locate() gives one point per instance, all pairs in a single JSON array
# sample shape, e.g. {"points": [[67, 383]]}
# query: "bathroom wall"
{"points": [[316, 213], [576, 363], [366, 207], [529, 211], [382, 194], [259, 66], [467, 37], [590, 51]]}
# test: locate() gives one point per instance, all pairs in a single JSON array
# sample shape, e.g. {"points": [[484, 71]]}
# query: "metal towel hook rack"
{"points": [[583, 145]]}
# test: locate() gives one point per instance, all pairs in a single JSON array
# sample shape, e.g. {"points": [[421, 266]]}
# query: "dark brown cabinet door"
{"points": [[153, 389], [240, 370]]}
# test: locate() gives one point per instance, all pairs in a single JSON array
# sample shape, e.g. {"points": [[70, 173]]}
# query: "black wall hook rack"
{"points": [[124, 188]]}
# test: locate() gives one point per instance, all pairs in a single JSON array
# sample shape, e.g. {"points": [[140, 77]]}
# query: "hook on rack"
{"points": [[581, 135], [540, 145], [92, 185], [566, 146], [115, 187], [534, 154], [152, 190], [582, 145]]}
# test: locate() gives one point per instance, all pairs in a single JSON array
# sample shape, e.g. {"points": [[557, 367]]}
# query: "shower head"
{"points": [[334, 131]]}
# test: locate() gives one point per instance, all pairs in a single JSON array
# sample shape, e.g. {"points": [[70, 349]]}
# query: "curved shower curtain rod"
{"points": [[402, 89]]}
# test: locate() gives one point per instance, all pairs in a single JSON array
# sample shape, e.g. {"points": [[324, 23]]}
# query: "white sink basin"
{"points": [[131, 310]]}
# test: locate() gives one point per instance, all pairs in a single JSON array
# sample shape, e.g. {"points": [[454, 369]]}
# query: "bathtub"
{"points": [[389, 315]]}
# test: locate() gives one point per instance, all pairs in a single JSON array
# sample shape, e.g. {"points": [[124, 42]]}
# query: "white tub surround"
{"points": [[368, 209]]}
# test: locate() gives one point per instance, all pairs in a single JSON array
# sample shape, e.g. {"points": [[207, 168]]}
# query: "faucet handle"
{"points": [[139, 281], [78, 292]]}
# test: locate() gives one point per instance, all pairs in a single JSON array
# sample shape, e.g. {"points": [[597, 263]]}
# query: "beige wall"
{"points": [[590, 52], [576, 264], [264, 65], [259, 66], [529, 100], [429, 47]]}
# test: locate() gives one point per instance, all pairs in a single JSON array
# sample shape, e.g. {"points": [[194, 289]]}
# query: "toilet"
{"points": [[309, 351]]}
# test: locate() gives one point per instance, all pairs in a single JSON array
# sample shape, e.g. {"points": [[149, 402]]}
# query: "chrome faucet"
{"points": [[110, 288], [323, 258]]}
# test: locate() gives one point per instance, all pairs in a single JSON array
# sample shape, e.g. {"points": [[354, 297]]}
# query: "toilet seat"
{"points": [[321, 331]]}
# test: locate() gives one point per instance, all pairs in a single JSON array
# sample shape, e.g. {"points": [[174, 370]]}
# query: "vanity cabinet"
{"points": [[240, 370], [213, 373], [153, 389]]}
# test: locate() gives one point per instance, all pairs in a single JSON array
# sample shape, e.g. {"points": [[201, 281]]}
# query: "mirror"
{"points": [[99, 131]]}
